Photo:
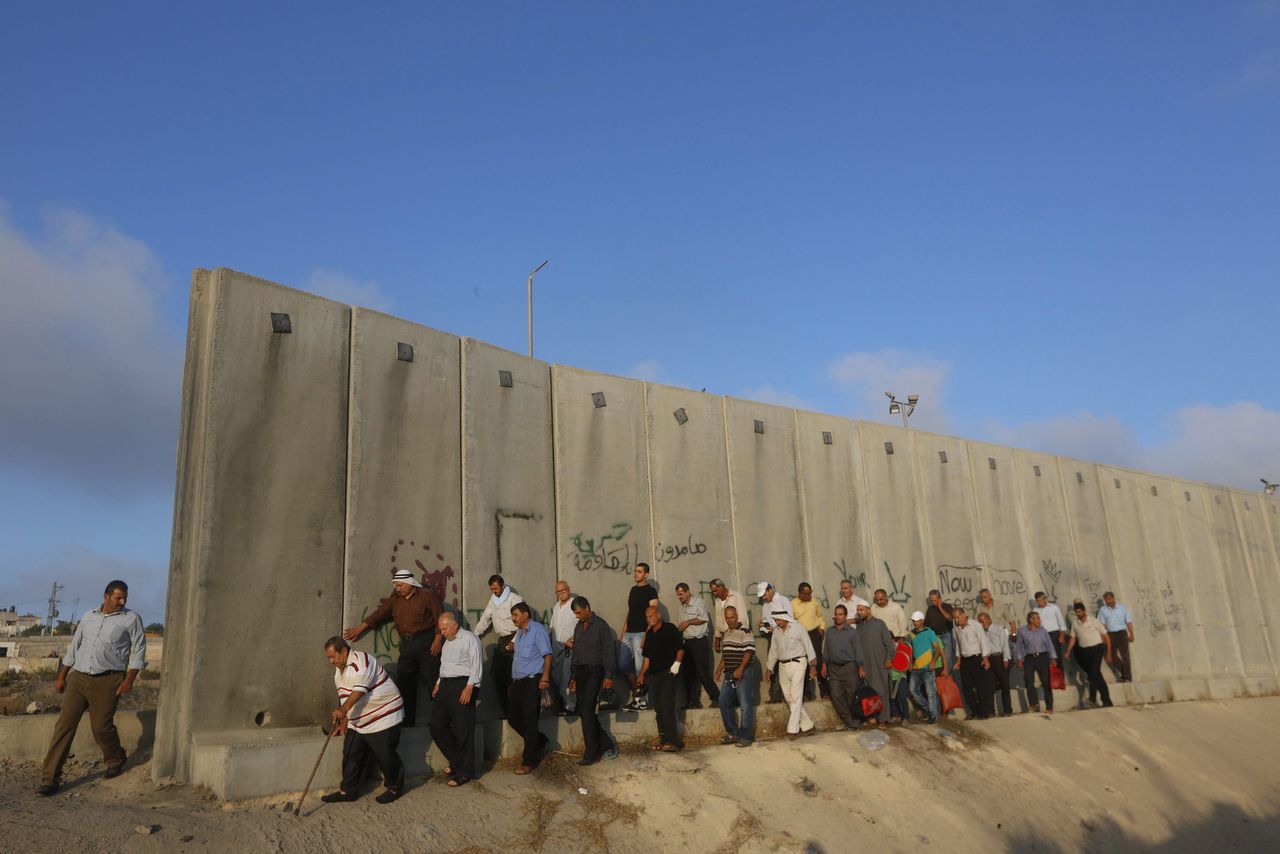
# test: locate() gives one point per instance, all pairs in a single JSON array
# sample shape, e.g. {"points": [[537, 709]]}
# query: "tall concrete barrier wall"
{"points": [[323, 445]]}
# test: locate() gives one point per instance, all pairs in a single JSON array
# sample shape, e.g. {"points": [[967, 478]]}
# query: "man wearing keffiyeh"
{"points": [[415, 610]]}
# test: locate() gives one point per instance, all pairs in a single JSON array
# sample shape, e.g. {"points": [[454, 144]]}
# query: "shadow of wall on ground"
{"points": [[1226, 827]]}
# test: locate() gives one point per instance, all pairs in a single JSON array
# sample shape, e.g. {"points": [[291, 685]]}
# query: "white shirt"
{"points": [[971, 639], [734, 600], [461, 657], [380, 706], [998, 640], [850, 608], [1051, 619], [793, 643], [499, 616], [893, 616], [1088, 633], [562, 622], [779, 603]]}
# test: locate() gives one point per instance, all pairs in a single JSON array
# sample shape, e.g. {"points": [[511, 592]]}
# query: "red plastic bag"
{"points": [[1057, 681], [948, 693]]}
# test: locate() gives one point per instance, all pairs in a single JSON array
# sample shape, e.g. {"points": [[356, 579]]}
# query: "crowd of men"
{"points": [[873, 662]]}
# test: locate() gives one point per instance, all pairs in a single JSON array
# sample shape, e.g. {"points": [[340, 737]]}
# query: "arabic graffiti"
{"points": [[666, 553], [605, 551]]}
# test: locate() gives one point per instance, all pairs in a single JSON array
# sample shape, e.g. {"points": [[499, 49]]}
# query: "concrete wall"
{"points": [[312, 462]]}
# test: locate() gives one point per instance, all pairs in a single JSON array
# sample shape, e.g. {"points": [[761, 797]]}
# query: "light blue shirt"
{"points": [[532, 643], [1115, 619], [105, 642]]}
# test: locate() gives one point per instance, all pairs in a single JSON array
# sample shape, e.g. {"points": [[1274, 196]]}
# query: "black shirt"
{"points": [[661, 646], [637, 600], [593, 646], [936, 618]]}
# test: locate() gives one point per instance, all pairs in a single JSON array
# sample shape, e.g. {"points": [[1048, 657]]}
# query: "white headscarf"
{"points": [[404, 576]]}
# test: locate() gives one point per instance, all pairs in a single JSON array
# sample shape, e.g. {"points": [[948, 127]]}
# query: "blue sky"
{"points": [[1058, 223]]}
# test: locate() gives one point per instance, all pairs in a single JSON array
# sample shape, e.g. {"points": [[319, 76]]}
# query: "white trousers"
{"points": [[791, 674]]}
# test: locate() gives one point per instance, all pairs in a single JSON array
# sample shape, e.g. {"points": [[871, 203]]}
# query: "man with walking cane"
{"points": [[370, 716]]}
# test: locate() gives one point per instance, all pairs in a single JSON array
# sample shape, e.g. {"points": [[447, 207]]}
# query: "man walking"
{"points": [[848, 600], [927, 658], [530, 676], [1001, 660], [695, 625], [769, 602], [497, 613], [726, 598], [453, 714], [594, 663], [973, 653], [891, 614], [877, 646], [808, 613], [663, 654], [642, 597], [792, 652], [106, 654], [1032, 651], [1092, 643], [370, 714], [841, 659], [563, 623], [1053, 622], [737, 648], [414, 609], [1119, 625]]}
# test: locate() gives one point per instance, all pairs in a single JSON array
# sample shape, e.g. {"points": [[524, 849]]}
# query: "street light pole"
{"points": [[531, 275], [906, 410]]}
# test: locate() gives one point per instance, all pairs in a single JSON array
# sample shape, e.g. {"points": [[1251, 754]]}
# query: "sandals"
{"points": [[524, 769], [458, 781], [667, 748]]}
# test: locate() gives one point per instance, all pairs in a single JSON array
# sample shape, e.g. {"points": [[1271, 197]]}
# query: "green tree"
{"points": [[155, 629]]}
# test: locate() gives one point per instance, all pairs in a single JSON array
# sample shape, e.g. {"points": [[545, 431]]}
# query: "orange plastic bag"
{"points": [[948, 693]]}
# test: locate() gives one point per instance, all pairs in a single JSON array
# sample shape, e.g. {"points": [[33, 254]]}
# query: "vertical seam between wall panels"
{"points": [[350, 431], [977, 513], [805, 551], [555, 471], [465, 566], [866, 504], [648, 467], [1071, 529], [733, 508]]}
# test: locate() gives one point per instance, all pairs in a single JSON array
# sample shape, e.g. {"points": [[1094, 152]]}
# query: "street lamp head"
{"points": [[894, 408], [889, 395], [913, 399]]}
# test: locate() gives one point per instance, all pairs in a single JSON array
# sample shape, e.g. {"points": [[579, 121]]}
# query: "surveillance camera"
{"points": [[889, 395]]}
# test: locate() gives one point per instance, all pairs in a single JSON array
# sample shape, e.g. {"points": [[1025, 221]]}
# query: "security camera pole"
{"points": [[531, 275], [897, 407]]}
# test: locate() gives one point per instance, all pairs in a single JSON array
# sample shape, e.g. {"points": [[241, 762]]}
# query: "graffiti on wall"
{"points": [[959, 585], [605, 550], [1050, 575], [668, 552], [437, 573], [1161, 612], [897, 588]]}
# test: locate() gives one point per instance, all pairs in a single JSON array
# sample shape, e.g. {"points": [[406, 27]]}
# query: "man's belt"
{"points": [[793, 660]]}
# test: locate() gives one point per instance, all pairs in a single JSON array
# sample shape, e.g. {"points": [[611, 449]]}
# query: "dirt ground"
{"points": [[18, 690], [1175, 777]]}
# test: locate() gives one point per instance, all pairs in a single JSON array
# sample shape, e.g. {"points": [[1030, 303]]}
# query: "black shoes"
{"points": [[46, 789], [116, 770], [338, 797], [589, 760], [387, 797]]}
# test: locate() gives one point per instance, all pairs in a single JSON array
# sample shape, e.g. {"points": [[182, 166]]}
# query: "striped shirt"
{"points": [[104, 642], [735, 645], [380, 707]]}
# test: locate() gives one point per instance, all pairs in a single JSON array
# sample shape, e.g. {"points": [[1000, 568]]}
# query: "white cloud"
{"points": [[769, 394], [89, 376], [648, 370], [1082, 436], [339, 286], [865, 377]]}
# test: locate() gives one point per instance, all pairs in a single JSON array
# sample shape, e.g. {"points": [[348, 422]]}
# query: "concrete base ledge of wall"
{"points": [[25, 738]]}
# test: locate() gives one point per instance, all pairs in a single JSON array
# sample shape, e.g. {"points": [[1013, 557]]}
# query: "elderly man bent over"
{"points": [[370, 715]]}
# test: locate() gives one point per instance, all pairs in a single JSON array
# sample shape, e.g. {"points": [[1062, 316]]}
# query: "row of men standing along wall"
{"points": [[322, 446]]}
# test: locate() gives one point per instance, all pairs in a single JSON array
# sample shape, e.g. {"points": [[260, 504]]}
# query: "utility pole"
{"points": [[53, 606], [531, 275]]}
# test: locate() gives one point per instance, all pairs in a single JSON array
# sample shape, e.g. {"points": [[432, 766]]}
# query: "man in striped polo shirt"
{"points": [[370, 714], [739, 686]]}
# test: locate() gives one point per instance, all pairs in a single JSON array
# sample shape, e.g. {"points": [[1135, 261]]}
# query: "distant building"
{"points": [[12, 624]]}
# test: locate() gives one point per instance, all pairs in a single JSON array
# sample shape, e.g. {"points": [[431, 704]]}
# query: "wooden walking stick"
{"points": [[297, 811]]}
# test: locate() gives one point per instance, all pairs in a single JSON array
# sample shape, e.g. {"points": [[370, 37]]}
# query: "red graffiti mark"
{"points": [[439, 582], [442, 579]]}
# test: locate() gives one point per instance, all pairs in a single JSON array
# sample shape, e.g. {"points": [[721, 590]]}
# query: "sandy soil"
{"points": [[1176, 777], [17, 690]]}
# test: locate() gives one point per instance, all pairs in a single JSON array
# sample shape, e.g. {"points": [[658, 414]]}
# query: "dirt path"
{"points": [[1176, 777]]}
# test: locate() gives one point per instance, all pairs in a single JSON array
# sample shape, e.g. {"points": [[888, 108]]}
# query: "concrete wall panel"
{"points": [[404, 484], [508, 498], [1176, 545], [902, 561], [1052, 565], [602, 488], [837, 529], [689, 486], [764, 483], [1260, 553], [1087, 525], [1011, 570], [269, 562], [950, 518], [1141, 584], [1234, 582]]}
